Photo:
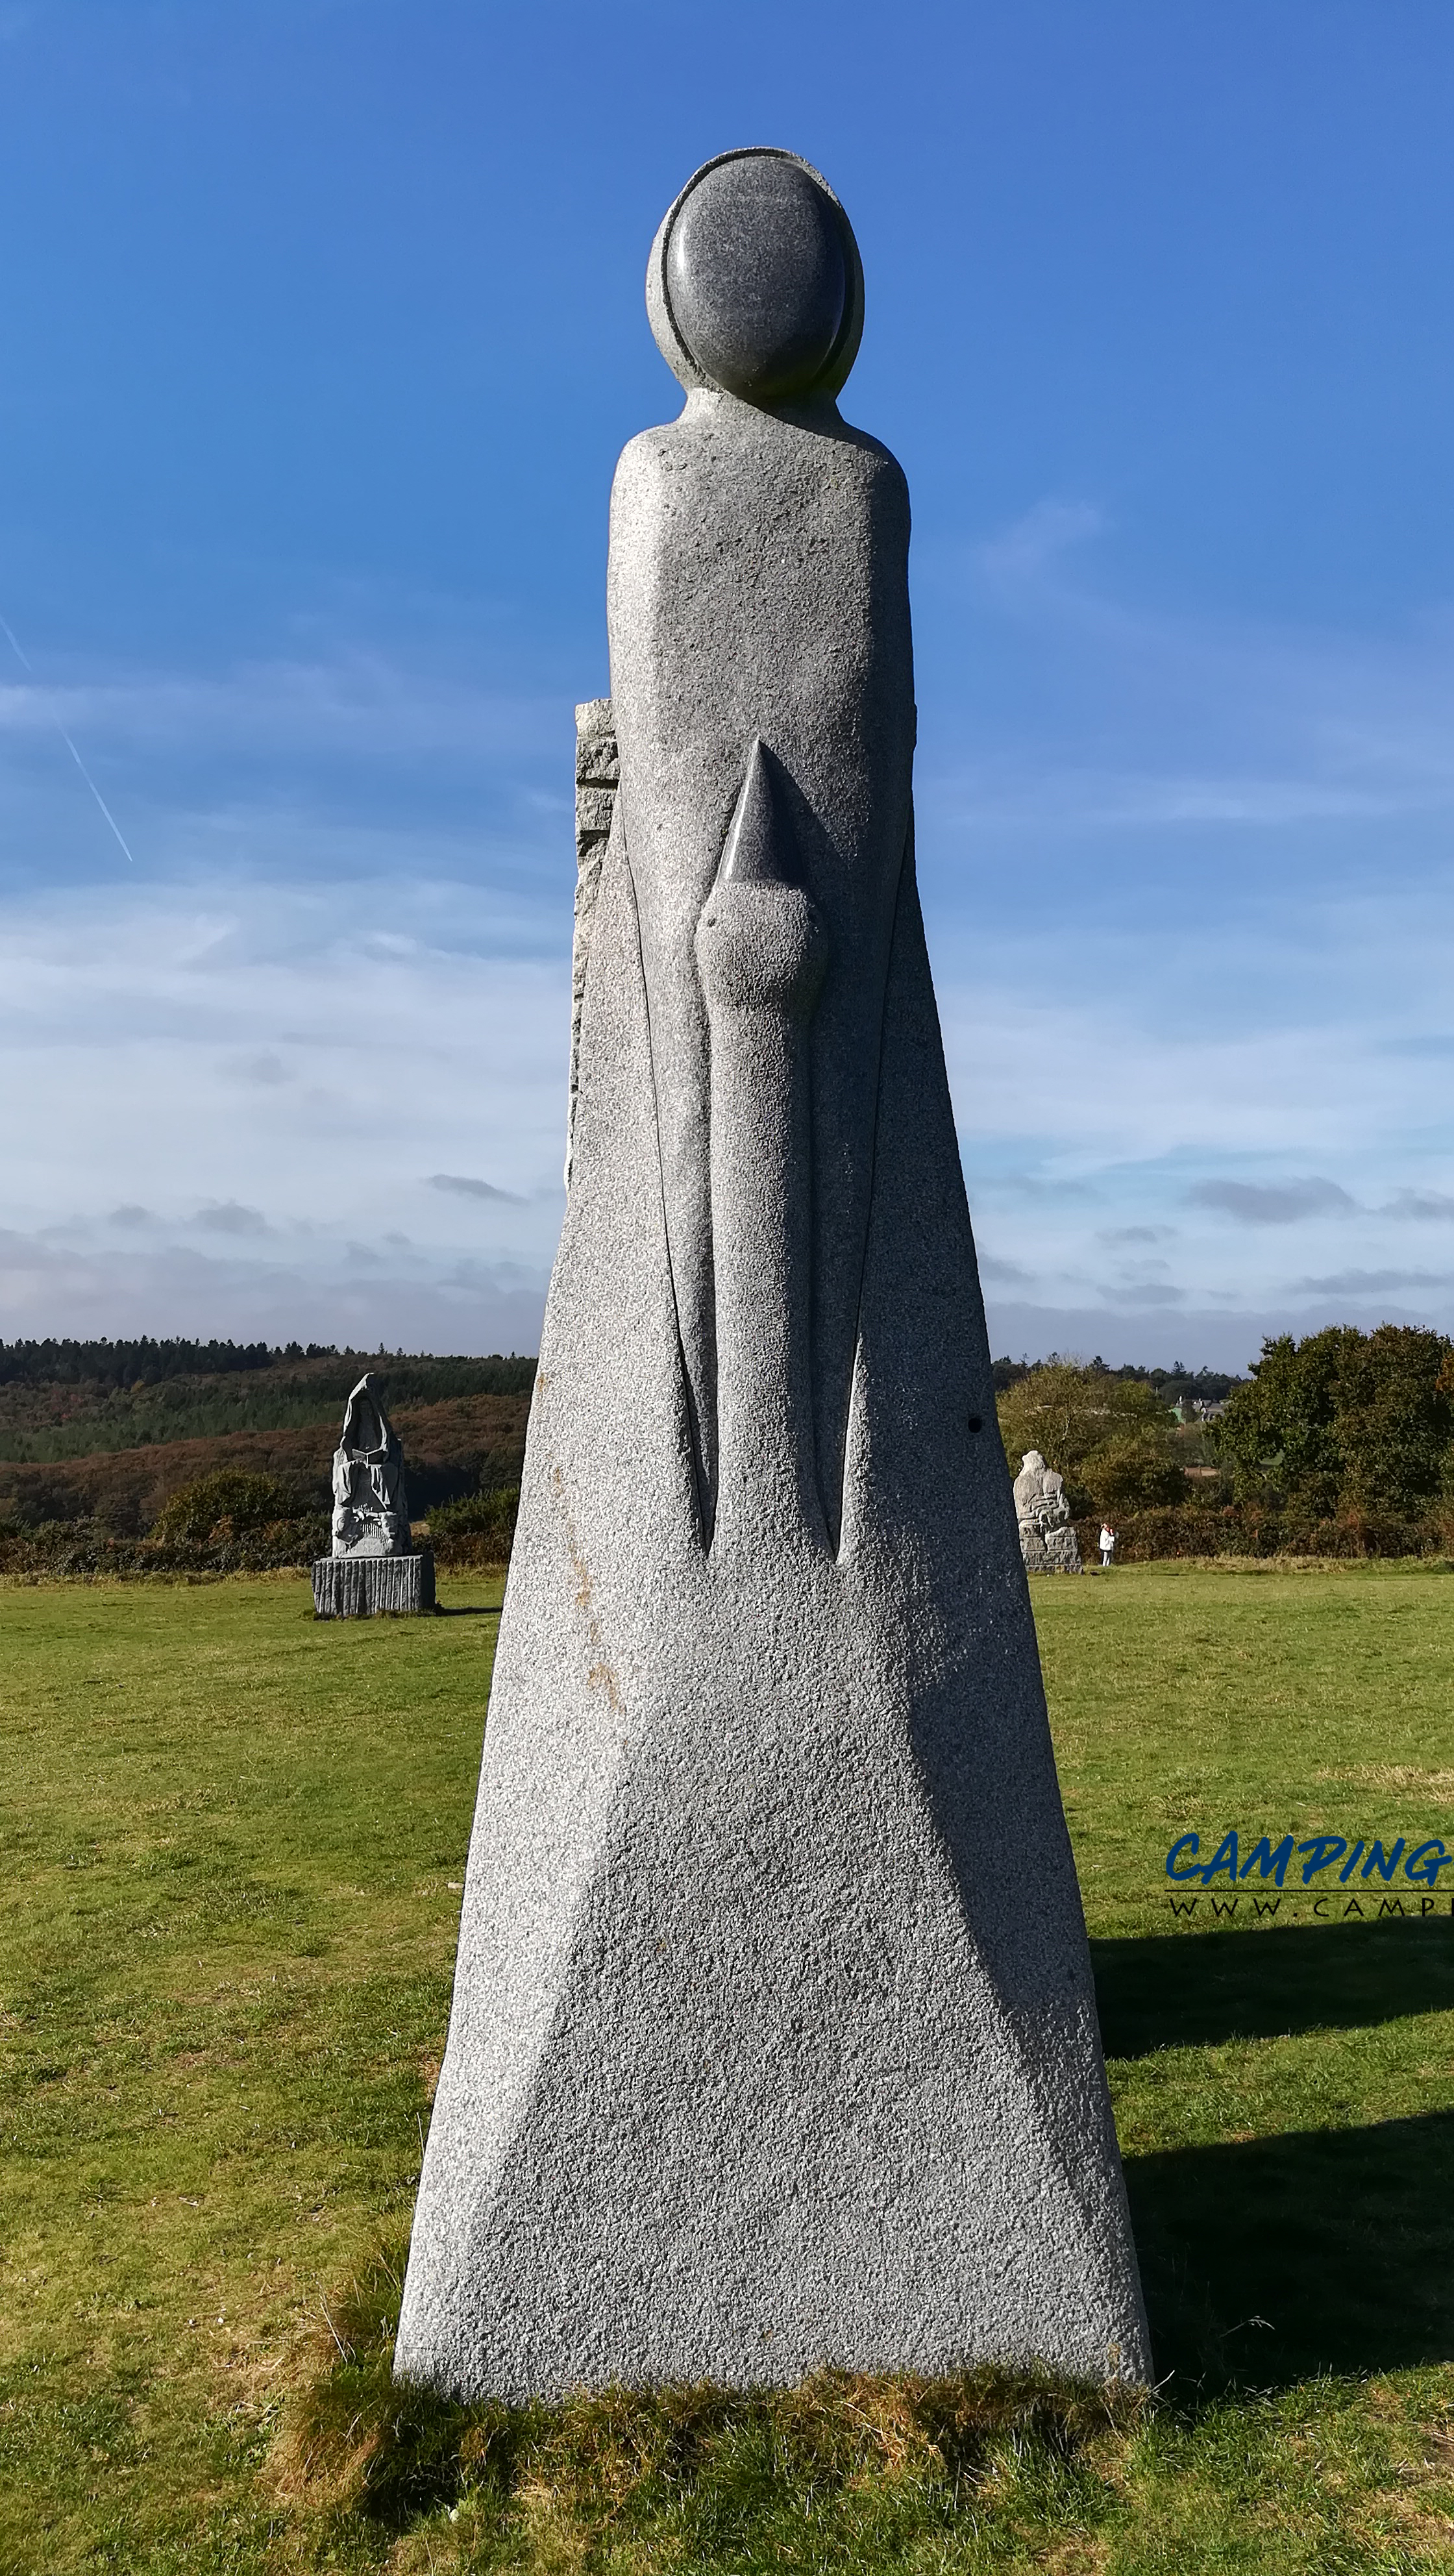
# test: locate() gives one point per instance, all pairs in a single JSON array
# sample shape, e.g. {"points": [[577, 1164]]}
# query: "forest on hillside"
{"points": [[97, 1440], [219, 1454], [72, 1399]]}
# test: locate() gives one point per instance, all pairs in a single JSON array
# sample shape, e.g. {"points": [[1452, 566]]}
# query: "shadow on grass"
{"points": [[467, 1610], [1270, 2258], [1196, 1989], [1325, 2250]]}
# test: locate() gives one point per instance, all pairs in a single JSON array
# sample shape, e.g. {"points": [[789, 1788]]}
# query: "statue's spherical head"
{"points": [[754, 286]]}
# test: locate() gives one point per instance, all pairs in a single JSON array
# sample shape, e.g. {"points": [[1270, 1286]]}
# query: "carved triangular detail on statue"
{"points": [[760, 847]]}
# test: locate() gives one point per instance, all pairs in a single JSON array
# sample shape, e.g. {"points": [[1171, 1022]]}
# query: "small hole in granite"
{"points": [[976, 1422]]}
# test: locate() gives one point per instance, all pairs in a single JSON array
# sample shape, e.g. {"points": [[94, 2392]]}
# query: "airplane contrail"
{"points": [[9, 633]]}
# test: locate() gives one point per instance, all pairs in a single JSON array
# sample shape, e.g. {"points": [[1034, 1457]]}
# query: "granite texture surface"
{"points": [[598, 774], [370, 1587], [756, 276], [773, 2042], [758, 588]]}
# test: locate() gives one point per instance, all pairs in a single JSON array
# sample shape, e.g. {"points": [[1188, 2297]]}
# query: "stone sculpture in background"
{"points": [[598, 774], [370, 1516], [374, 1566], [773, 2043], [1048, 1542]]}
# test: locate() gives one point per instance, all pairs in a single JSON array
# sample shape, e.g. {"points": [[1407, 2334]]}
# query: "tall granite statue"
{"points": [[773, 2040], [374, 1565]]}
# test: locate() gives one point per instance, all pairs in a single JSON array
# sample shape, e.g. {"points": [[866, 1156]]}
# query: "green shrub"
{"points": [[1254, 1528], [477, 1530], [1113, 1439], [1343, 1422], [227, 1504], [1134, 1474]]}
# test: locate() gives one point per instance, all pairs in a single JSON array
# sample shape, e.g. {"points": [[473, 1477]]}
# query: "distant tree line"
{"points": [[1199, 1386], [1341, 1444], [56, 1420], [139, 1363], [150, 1363]]}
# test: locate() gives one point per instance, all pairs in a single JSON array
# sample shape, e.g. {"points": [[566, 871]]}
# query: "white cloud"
{"points": [[1145, 732], [1143, 1292], [229, 1216], [1421, 1207], [1362, 1284], [134, 1026], [1188, 898], [351, 700], [49, 1288]]}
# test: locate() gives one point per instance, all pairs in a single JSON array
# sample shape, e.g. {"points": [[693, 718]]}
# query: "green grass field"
{"points": [[232, 1844]]}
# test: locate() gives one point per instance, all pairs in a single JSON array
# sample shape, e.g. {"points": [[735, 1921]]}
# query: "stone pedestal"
{"points": [[369, 1587]]}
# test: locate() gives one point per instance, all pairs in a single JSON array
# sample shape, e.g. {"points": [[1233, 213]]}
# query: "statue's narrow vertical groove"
{"points": [[760, 950]]}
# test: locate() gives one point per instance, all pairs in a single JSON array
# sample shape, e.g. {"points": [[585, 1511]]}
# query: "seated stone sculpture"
{"points": [[370, 1513], [1047, 1533]]}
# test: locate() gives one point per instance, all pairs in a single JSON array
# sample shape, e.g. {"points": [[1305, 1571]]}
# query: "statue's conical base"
{"points": [[773, 2042]]}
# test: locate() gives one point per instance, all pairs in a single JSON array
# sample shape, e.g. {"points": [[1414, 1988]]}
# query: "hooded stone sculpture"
{"points": [[773, 2041], [370, 1515], [373, 1566]]}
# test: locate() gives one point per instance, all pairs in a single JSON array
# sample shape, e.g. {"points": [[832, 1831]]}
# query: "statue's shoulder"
{"points": [[652, 453], [699, 438], [877, 465]]}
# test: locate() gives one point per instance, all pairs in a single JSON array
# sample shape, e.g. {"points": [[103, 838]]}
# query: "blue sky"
{"points": [[321, 328]]}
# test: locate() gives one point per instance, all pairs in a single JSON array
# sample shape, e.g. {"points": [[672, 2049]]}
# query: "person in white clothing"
{"points": [[1108, 1544]]}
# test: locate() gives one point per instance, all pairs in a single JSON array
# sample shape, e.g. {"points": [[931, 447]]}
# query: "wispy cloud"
{"points": [[1375, 1283], [46, 1287], [1271, 1202], [350, 700], [1420, 1207], [465, 1187], [1188, 899], [229, 1216], [143, 1031], [1143, 1292], [1115, 723], [267, 1069], [337, 1003]]}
